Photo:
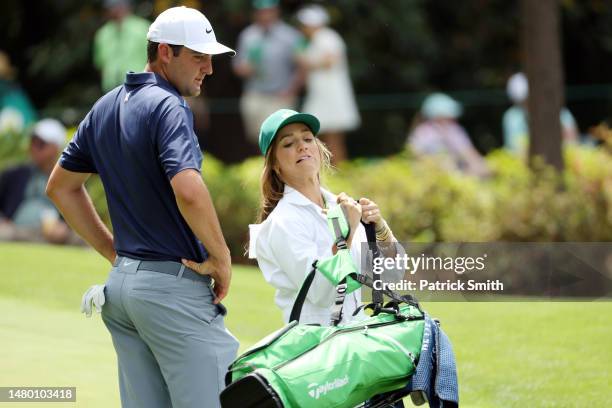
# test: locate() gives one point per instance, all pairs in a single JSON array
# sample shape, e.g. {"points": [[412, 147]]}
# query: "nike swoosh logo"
{"points": [[126, 263], [208, 31]]}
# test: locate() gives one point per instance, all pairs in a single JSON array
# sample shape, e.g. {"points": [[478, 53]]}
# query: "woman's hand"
{"points": [[370, 213], [352, 208]]}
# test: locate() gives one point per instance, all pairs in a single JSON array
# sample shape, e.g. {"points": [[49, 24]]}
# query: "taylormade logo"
{"points": [[315, 390]]}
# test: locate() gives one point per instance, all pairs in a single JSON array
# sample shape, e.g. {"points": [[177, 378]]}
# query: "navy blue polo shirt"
{"points": [[137, 137]]}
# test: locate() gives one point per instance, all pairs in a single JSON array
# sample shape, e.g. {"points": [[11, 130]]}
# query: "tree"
{"points": [[542, 62]]}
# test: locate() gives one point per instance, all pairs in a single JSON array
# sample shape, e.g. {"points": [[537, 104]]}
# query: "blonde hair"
{"points": [[272, 186]]}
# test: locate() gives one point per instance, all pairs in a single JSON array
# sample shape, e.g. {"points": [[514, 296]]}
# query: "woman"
{"points": [[440, 135], [292, 232], [329, 93]]}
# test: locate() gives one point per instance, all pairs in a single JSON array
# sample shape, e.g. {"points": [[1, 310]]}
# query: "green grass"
{"points": [[527, 354]]}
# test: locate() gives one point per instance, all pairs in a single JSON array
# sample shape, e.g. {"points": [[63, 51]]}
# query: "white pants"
{"points": [[256, 107]]}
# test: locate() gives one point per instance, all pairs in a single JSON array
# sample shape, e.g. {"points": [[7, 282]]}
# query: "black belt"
{"points": [[167, 267]]}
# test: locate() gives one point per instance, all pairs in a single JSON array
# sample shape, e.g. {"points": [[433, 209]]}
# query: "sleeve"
{"points": [[76, 156], [294, 250], [176, 142]]}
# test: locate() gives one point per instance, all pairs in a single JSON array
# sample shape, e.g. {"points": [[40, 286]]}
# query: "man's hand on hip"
{"points": [[219, 270]]}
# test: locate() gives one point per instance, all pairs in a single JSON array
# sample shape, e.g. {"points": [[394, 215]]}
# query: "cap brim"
{"points": [[212, 48], [311, 121]]}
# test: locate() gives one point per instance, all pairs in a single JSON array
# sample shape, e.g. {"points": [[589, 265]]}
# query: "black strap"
{"points": [[296, 311], [377, 296], [340, 241], [336, 316], [371, 236]]}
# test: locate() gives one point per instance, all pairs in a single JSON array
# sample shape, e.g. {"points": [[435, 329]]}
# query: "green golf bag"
{"points": [[338, 366]]}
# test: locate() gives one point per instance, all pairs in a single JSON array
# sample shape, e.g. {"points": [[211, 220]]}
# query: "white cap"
{"points": [[313, 16], [51, 131], [517, 87], [188, 27]]}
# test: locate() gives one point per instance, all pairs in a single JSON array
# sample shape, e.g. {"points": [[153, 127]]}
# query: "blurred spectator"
{"points": [[441, 136], [120, 44], [329, 93], [16, 111], [266, 60], [514, 122], [25, 211]]}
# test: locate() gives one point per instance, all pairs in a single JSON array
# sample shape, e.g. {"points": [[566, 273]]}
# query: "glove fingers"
{"points": [[98, 298], [86, 302], [89, 299]]}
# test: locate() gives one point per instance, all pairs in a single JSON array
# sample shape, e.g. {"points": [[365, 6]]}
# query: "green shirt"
{"points": [[120, 47]]}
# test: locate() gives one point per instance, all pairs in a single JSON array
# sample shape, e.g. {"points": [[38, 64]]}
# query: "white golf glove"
{"points": [[93, 297]]}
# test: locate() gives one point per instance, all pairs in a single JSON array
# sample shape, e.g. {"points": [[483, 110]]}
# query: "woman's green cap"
{"points": [[280, 118]]}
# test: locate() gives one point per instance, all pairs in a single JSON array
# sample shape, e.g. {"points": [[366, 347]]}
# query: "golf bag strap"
{"points": [[377, 296], [340, 241], [296, 311], [336, 316]]}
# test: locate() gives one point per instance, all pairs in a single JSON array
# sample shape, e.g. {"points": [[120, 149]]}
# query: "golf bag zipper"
{"points": [[343, 331]]}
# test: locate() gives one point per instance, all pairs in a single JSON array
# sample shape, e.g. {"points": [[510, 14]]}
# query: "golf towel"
{"points": [[436, 371]]}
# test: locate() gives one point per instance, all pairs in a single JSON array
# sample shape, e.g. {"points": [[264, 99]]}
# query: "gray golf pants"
{"points": [[172, 346]]}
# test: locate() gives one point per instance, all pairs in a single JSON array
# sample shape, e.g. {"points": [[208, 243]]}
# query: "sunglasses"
{"points": [[38, 143]]}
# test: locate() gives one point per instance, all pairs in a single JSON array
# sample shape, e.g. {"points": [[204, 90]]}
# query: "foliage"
{"points": [[13, 148]]}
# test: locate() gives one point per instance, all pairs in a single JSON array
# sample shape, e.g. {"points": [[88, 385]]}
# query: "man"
{"points": [[119, 45], [165, 320], [266, 60], [26, 214]]}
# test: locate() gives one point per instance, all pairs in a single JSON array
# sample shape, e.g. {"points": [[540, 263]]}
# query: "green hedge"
{"points": [[425, 203]]}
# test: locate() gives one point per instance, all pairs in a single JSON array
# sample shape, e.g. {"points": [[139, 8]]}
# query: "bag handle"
{"points": [[377, 296], [296, 310]]}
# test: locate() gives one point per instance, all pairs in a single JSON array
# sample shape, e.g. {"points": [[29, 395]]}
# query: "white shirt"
{"points": [[286, 244]]}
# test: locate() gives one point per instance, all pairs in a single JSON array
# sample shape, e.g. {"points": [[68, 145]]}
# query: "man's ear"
{"points": [[164, 52]]}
